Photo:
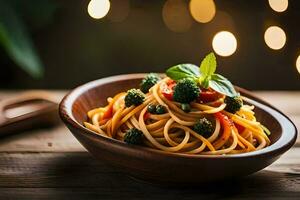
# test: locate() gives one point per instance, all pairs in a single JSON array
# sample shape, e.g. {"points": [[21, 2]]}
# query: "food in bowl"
{"points": [[192, 110]]}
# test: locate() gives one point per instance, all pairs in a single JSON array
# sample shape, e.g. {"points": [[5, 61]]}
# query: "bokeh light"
{"points": [[176, 15], [202, 11], [279, 5], [119, 10], [275, 37], [224, 43], [298, 64], [98, 9]]}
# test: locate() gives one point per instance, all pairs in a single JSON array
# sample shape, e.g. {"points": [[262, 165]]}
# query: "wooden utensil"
{"points": [[26, 111]]}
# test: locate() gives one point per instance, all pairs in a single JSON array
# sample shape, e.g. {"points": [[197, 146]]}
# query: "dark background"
{"points": [[75, 48]]}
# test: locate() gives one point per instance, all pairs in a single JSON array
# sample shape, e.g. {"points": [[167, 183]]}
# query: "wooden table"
{"points": [[51, 164]]}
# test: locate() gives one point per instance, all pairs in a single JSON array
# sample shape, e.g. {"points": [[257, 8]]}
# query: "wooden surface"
{"points": [[51, 164]]}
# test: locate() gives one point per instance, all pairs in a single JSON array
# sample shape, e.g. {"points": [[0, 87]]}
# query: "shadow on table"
{"points": [[97, 179], [77, 175]]}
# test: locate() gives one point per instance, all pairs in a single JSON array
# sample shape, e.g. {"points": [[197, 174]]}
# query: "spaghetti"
{"points": [[193, 111], [173, 130]]}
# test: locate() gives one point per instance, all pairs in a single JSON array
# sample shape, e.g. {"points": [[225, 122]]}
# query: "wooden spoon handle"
{"points": [[27, 110]]}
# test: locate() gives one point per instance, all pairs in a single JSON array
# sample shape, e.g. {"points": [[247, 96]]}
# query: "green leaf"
{"points": [[205, 82], [183, 71], [208, 65], [222, 85], [16, 41]]}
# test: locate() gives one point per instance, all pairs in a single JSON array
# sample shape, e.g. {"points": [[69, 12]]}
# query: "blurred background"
{"points": [[60, 44]]}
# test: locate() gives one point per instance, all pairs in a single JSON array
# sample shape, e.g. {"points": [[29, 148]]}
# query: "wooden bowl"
{"points": [[169, 168]]}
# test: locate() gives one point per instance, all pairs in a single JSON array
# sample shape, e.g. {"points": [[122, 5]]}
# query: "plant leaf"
{"points": [[222, 85], [208, 65], [183, 71], [16, 41], [205, 82]]}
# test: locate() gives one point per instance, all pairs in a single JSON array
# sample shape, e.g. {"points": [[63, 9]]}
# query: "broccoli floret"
{"points": [[149, 80], [134, 97], [160, 109], [156, 109], [204, 127], [233, 104], [151, 108], [185, 107], [134, 136], [186, 91]]}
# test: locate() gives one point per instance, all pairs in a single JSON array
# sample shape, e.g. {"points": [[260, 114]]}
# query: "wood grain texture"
{"points": [[227, 191], [78, 175], [55, 139]]}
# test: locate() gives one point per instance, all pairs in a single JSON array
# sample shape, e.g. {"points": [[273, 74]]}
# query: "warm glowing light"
{"points": [[98, 8], [202, 11], [275, 37], [176, 15], [224, 43], [279, 5], [298, 64]]}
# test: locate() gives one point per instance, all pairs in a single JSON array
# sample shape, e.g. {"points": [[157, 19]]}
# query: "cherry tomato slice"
{"points": [[108, 113], [168, 90], [168, 94], [146, 115], [208, 96], [239, 128]]}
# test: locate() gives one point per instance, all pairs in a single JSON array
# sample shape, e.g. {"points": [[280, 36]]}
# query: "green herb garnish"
{"points": [[204, 75]]}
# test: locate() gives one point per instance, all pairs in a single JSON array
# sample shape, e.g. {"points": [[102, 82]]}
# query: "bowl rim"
{"points": [[286, 141]]}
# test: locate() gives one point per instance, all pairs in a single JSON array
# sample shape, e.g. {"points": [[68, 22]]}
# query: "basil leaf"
{"points": [[222, 85], [204, 81], [183, 71], [208, 65]]}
